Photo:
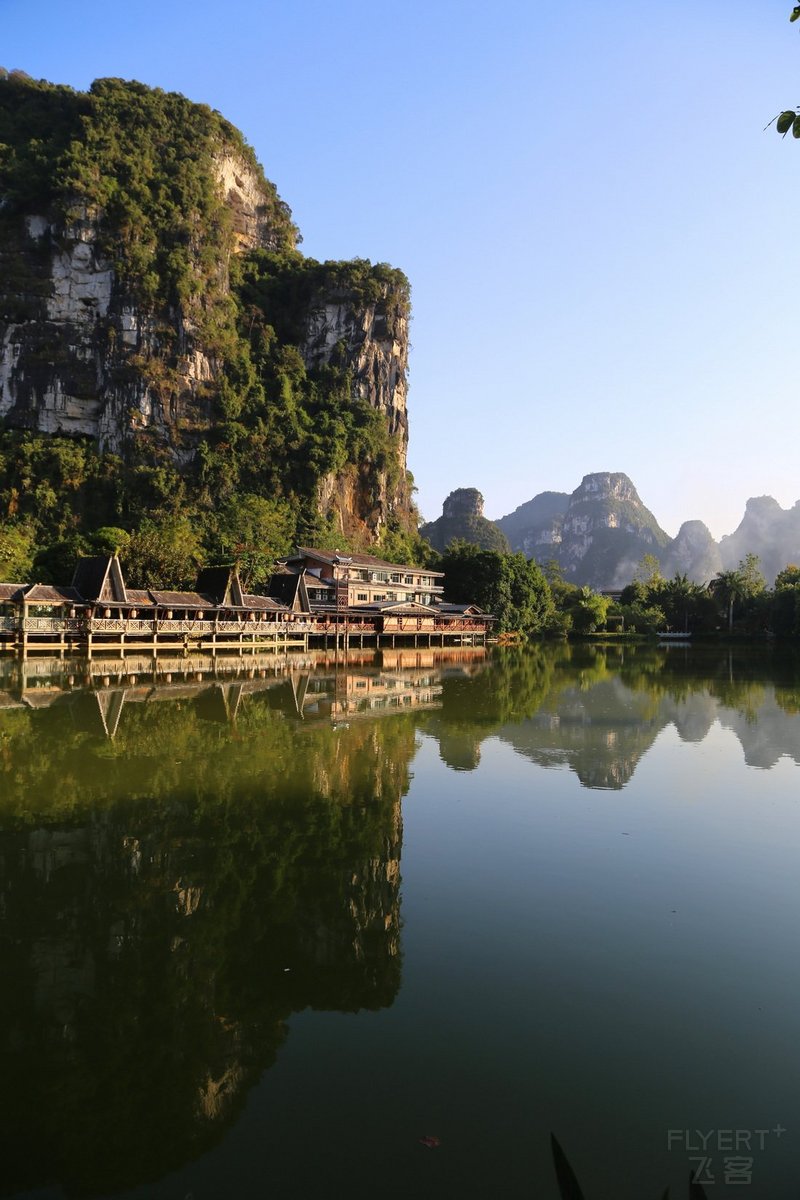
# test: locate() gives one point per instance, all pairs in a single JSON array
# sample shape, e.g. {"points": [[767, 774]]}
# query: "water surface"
{"points": [[265, 923]]}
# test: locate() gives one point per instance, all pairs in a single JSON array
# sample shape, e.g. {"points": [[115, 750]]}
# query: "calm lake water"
{"points": [[268, 924]]}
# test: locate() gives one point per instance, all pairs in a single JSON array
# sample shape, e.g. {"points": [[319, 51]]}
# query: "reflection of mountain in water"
{"points": [[598, 711], [168, 898], [602, 728], [600, 733], [193, 850], [767, 734]]}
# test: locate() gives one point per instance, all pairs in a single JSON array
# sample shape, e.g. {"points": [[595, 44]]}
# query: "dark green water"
{"points": [[266, 925]]}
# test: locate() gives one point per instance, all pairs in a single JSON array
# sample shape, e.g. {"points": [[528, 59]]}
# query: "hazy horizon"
{"points": [[716, 534]]}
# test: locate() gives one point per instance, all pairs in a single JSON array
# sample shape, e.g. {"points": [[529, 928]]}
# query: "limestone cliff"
{"points": [[693, 553], [139, 245], [371, 340], [535, 525], [766, 529], [462, 519], [600, 533], [599, 537]]}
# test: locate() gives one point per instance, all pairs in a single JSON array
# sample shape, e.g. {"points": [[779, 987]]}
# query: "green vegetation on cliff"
{"points": [[143, 159], [138, 169], [462, 520]]}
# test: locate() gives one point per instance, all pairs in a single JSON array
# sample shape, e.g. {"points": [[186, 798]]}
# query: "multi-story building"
{"points": [[353, 580]]}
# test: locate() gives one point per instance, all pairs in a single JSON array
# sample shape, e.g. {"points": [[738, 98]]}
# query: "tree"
{"points": [[507, 585], [109, 539], [55, 563], [588, 610], [789, 577], [728, 587], [636, 592], [785, 606], [648, 572], [165, 555], [254, 531], [753, 580], [790, 117], [678, 599], [641, 617], [17, 549]]}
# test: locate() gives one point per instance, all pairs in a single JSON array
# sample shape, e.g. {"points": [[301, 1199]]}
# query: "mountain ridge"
{"points": [[599, 533]]}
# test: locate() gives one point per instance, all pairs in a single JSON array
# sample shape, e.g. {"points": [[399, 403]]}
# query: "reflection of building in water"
{"points": [[369, 693], [309, 686]]}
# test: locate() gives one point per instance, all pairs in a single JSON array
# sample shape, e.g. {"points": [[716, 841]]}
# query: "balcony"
{"points": [[54, 625]]}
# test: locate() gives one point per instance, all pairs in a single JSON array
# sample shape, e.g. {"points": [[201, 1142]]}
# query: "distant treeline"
{"points": [[537, 600]]}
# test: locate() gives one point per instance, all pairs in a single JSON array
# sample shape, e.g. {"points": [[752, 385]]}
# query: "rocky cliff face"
{"points": [[80, 354], [536, 525], [600, 533], [462, 519], [376, 353], [121, 311], [766, 529], [373, 345], [693, 553], [603, 530]]}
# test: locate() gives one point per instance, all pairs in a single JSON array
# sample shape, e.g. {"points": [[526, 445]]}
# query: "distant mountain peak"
{"points": [[463, 502], [600, 532], [611, 484], [462, 520], [601, 525], [762, 505]]}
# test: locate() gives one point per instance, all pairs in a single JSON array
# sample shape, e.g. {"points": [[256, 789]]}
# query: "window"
{"points": [[408, 579], [362, 596], [396, 577], [378, 596]]}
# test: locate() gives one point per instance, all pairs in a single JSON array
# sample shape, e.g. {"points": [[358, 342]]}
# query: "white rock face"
{"points": [[59, 412], [36, 227], [244, 195], [378, 361], [82, 283], [60, 372], [10, 349], [129, 326]]}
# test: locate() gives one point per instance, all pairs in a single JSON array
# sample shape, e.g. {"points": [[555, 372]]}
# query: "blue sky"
{"points": [[598, 233]]}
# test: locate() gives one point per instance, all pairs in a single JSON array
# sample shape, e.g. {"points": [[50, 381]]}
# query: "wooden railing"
{"points": [[271, 627], [187, 626], [119, 625], [54, 625]]}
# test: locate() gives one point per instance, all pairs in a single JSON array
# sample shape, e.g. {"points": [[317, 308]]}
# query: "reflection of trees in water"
{"points": [[157, 884], [512, 688], [179, 894], [598, 709]]}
